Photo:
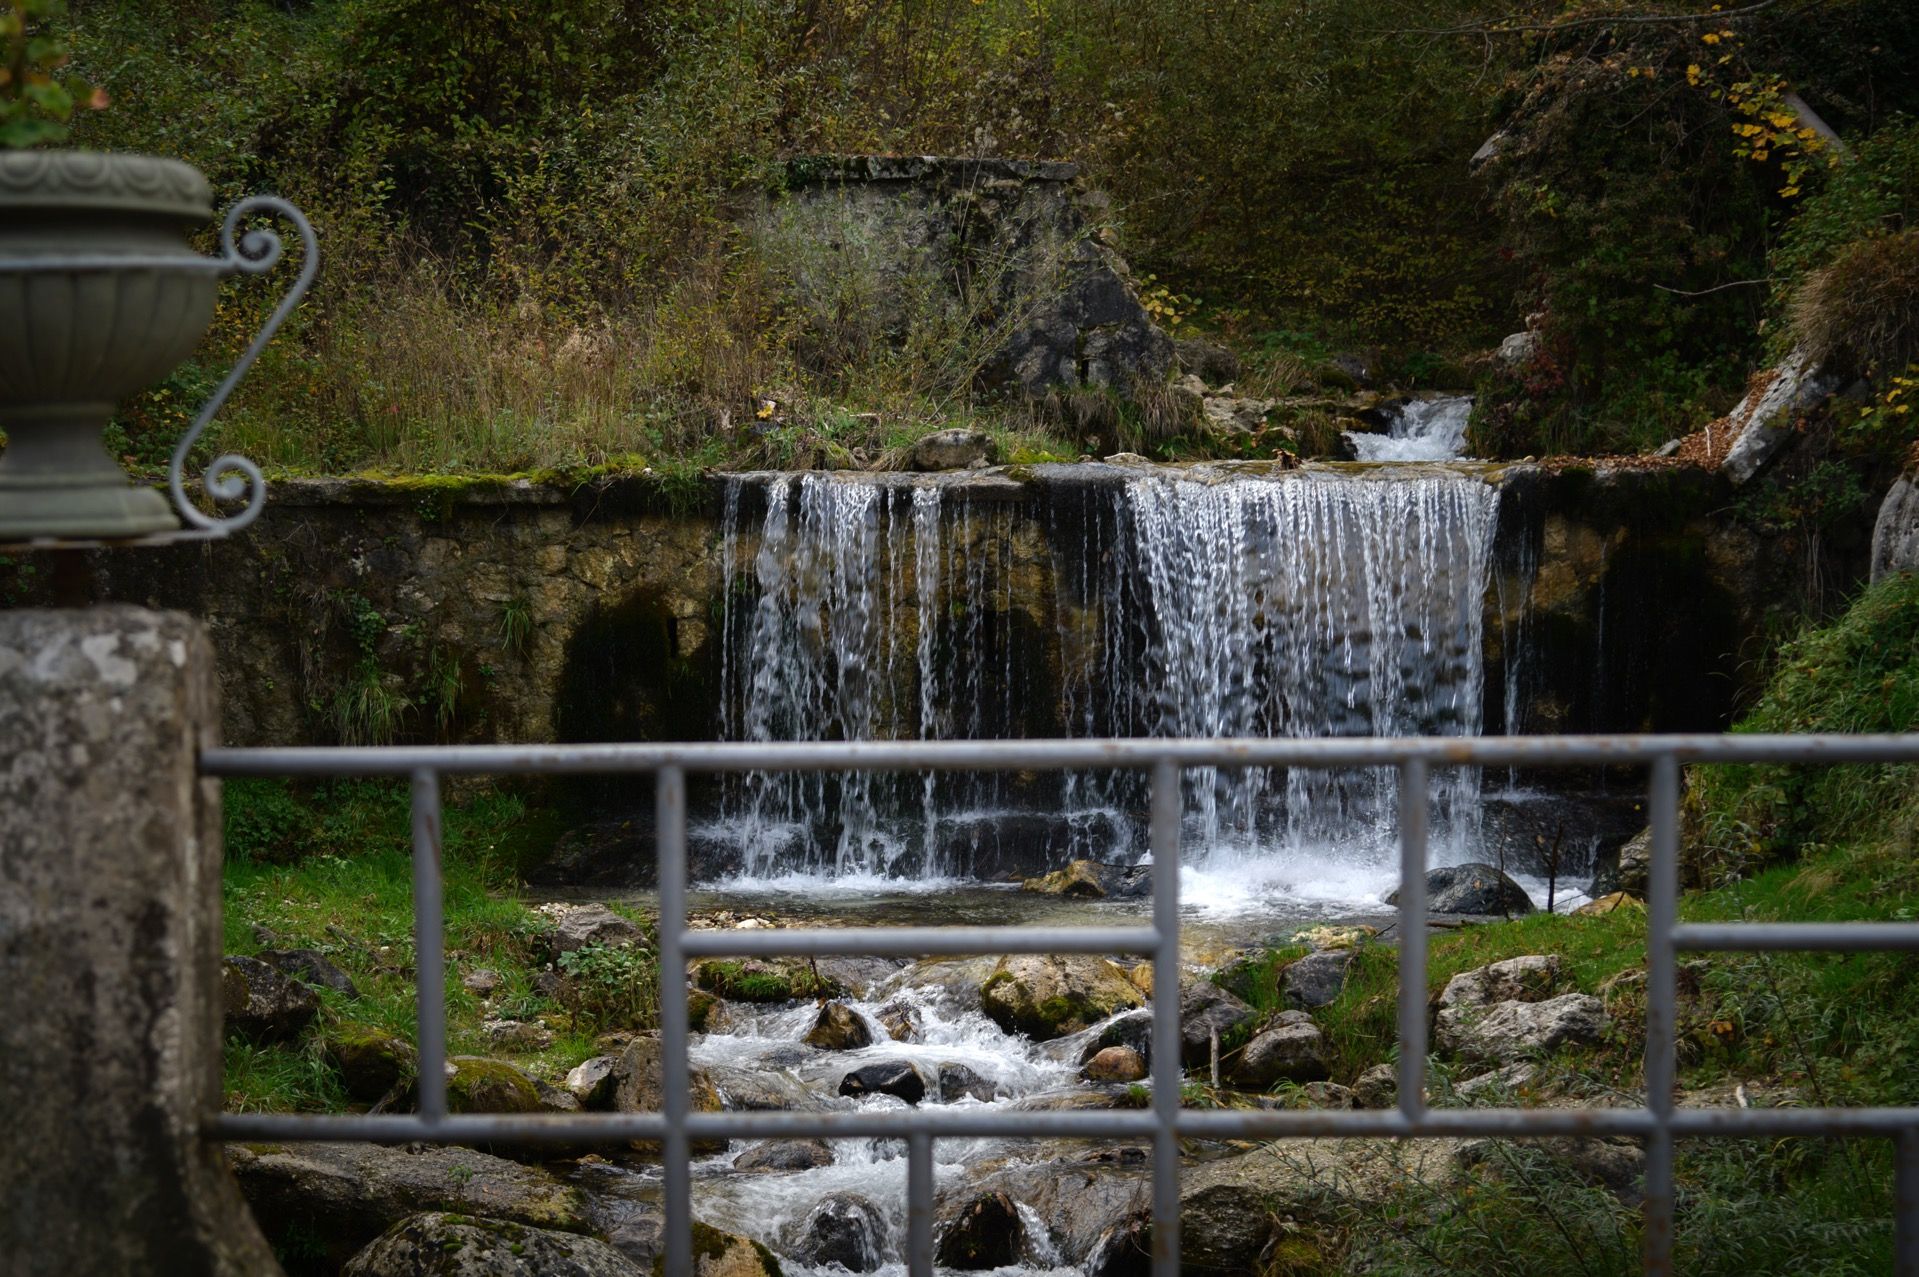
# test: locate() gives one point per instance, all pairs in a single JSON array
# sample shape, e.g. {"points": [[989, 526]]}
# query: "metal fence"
{"points": [[1658, 1123]]}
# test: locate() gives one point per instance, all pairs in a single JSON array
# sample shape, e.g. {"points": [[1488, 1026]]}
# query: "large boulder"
{"points": [[958, 1082], [1046, 996], [844, 1229], [1767, 418], [348, 1194], [446, 1245], [1133, 1030], [886, 1077], [1223, 1228], [1504, 1032], [985, 1232], [1206, 1009], [1377, 1087], [1291, 1050], [1895, 533], [475, 1084], [262, 1003], [1531, 978], [594, 1082], [838, 1027], [641, 1090], [1316, 979], [785, 1155], [1472, 889], [373, 1063], [1115, 1064]]}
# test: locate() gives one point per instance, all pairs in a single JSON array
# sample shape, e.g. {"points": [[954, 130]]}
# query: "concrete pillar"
{"points": [[109, 952]]}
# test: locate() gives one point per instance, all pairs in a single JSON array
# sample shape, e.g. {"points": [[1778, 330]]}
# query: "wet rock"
{"points": [[348, 1194], [1115, 1064], [1508, 1031], [1091, 880], [785, 1155], [718, 1254], [1472, 889], [1292, 1050], [1212, 363], [1205, 1009], [262, 1004], [475, 1084], [844, 1229], [594, 1082], [1124, 1249], [579, 926], [640, 1090], [1316, 979], [887, 1077], [481, 982], [517, 1035], [901, 1020], [955, 450], [956, 1080], [1529, 978], [857, 974], [986, 1232], [312, 966], [1075, 1201], [373, 1063], [767, 1087], [461, 1246], [839, 1028], [1223, 1228], [764, 980], [1046, 996], [1377, 1088], [1133, 1030]]}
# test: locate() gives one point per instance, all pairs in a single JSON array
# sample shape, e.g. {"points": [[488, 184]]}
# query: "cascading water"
{"points": [[1418, 430], [1309, 604]]}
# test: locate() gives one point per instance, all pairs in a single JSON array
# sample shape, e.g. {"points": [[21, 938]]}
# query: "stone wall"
{"points": [[514, 611]]}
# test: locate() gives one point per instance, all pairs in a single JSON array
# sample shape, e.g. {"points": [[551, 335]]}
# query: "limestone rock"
{"points": [[1205, 1009], [517, 1035], [718, 1254], [844, 1229], [1472, 889], [262, 1004], [594, 1082], [1212, 363], [839, 1028], [785, 1155], [1092, 880], [1517, 350], [349, 1194], [957, 1081], [1329, 1095], [1231, 416], [372, 1062], [955, 450], [1132, 1030], [886, 1077], [1508, 1031], [1046, 996], [1895, 533], [1316, 979], [640, 1090], [1223, 1228], [475, 1084], [481, 982], [986, 1232], [460, 1246], [1611, 902], [1764, 420], [1292, 1050], [1498, 1084], [1115, 1064], [579, 926], [1524, 979], [901, 1020], [1629, 871], [311, 966]]}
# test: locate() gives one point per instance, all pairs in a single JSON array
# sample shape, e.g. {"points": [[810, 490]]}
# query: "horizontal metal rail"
{"points": [[675, 1126]]}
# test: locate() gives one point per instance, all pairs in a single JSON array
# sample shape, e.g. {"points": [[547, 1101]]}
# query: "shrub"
{"points": [[1863, 308]]}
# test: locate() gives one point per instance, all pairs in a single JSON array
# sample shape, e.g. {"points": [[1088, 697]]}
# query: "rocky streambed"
{"points": [[1016, 1034]]}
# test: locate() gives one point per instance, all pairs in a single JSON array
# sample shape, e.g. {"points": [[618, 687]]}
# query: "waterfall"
{"points": [[1418, 430], [1309, 604]]}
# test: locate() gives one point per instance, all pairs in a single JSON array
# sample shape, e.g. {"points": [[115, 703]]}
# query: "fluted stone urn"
{"points": [[75, 340]]}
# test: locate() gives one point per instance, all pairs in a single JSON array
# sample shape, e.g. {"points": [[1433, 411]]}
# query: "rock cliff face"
{"points": [[1010, 253]]}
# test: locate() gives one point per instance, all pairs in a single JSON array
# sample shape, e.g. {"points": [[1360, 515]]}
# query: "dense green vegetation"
{"points": [[532, 258]]}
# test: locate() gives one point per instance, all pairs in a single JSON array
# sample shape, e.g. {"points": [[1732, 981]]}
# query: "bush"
{"points": [[1863, 309]]}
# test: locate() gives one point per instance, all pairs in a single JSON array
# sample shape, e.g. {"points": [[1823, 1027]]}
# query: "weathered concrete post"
{"points": [[109, 952]]}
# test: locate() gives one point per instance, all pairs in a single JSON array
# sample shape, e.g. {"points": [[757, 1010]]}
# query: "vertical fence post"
{"points": [[675, 1086], [1662, 915], [1412, 937], [919, 1204], [429, 945], [1905, 1218], [1167, 1074]]}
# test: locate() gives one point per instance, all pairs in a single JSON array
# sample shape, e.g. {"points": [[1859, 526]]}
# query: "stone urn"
{"points": [[100, 296]]}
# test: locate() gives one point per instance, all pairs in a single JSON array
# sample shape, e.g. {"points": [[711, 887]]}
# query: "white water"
{"points": [[1421, 430], [1311, 605]]}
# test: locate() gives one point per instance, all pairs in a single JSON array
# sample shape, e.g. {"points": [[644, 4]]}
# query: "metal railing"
{"points": [[675, 1126]]}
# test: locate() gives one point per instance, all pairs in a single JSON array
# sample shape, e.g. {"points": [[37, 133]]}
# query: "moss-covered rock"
{"points": [[449, 1245], [1045, 996], [777, 980], [642, 1090], [372, 1062], [475, 1084], [718, 1254]]}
